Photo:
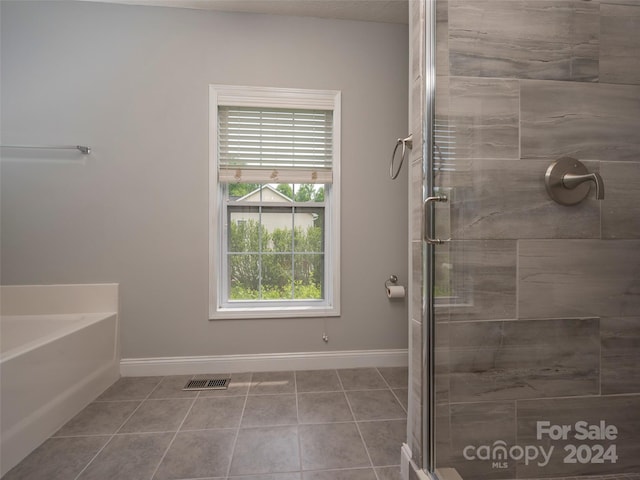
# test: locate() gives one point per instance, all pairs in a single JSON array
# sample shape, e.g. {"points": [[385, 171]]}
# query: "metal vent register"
{"points": [[213, 383]]}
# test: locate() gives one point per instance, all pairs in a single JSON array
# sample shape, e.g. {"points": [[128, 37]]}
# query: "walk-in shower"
{"points": [[525, 313]]}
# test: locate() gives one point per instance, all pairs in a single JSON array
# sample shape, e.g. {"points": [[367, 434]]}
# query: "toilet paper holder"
{"points": [[394, 291], [392, 280]]}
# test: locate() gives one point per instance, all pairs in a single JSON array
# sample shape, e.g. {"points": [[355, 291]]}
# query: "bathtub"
{"points": [[52, 364]]}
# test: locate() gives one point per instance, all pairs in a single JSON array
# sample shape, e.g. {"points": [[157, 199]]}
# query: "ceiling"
{"points": [[388, 11]]}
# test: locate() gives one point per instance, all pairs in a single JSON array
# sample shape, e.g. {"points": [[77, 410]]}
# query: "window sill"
{"points": [[274, 312]]}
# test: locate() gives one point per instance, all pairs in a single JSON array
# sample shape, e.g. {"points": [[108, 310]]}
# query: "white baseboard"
{"points": [[265, 362]]}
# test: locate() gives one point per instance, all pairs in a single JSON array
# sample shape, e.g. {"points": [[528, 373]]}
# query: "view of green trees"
{"points": [[281, 264]]}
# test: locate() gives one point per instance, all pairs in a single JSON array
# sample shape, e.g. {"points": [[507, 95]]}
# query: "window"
{"points": [[274, 202]]}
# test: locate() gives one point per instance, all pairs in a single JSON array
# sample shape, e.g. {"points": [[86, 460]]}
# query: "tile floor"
{"points": [[303, 425]]}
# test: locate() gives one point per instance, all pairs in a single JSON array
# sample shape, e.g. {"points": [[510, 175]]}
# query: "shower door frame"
{"points": [[428, 267]]}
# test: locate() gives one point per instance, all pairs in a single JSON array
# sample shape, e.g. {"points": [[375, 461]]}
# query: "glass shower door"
{"points": [[531, 317]]}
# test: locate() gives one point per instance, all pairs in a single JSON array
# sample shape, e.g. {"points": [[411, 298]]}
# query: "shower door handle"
{"points": [[427, 238]]}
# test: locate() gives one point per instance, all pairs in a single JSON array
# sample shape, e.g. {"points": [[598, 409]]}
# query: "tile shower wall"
{"points": [[547, 325]]}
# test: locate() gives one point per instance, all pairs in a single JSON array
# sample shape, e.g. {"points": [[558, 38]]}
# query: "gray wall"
{"points": [[132, 82], [550, 329]]}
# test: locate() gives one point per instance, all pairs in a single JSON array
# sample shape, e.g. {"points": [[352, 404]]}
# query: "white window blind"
{"points": [[274, 145]]}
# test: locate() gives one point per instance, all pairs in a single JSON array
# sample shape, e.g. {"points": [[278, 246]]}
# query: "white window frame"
{"points": [[277, 98]]}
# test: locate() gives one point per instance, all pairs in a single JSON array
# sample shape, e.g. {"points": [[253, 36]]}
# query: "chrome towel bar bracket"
{"points": [[406, 143]]}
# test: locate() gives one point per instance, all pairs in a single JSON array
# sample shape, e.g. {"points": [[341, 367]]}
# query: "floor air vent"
{"points": [[217, 383]]}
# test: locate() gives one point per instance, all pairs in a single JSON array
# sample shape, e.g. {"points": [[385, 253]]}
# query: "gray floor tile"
{"points": [[239, 385], [328, 445], [272, 382], [389, 473], [275, 476], [220, 412], [350, 474], [361, 379], [205, 453], [57, 458], [98, 418], [336, 445], [402, 395], [131, 388], [171, 387], [375, 405], [131, 457], [266, 450], [164, 415], [323, 407], [384, 440], [396, 377], [317, 381], [263, 410]]}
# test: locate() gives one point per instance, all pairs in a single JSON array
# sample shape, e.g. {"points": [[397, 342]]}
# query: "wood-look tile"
{"points": [[524, 359], [580, 120], [485, 115], [443, 435], [442, 37], [506, 199], [620, 43], [442, 360], [415, 179], [573, 278], [621, 206], [414, 411], [481, 424], [545, 39], [484, 285], [620, 369], [416, 39]]}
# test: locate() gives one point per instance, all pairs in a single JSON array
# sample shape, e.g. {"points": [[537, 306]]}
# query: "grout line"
{"points": [[358, 428], [295, 389], [174, 436], [235, 440], [394, 393], [118, 429]]}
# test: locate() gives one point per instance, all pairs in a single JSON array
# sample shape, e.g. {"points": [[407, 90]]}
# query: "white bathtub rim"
{"points": [[89, 319]]}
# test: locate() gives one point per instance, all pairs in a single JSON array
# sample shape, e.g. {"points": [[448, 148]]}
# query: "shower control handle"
{"points": [[571, 180], [568, 181], [427, 238]]}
